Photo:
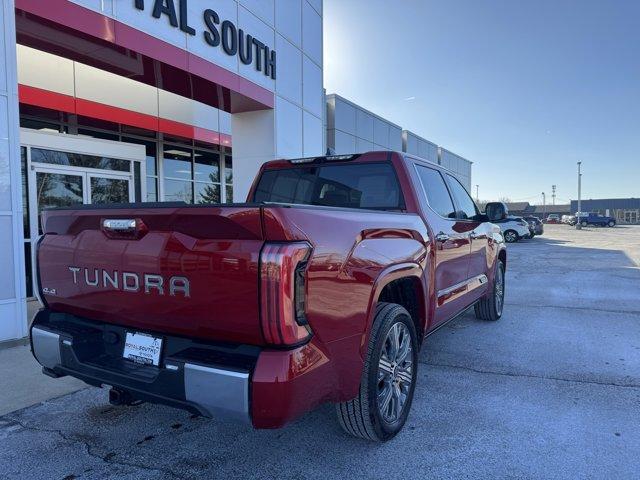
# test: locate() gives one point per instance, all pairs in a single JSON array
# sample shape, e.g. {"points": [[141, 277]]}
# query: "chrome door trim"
{"points": [[462, 287]]}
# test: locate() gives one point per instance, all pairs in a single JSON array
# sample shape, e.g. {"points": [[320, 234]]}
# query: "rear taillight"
{"points": [[283, 293]]}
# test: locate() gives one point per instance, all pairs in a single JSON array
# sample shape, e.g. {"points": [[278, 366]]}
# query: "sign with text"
{"points": [[218, 34]]}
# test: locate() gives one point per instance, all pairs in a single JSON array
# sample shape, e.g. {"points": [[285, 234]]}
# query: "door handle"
{"points": [[442, 237]]}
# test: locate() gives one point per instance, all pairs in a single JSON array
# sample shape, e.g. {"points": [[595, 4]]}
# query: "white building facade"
{"points": [[353, 129]]}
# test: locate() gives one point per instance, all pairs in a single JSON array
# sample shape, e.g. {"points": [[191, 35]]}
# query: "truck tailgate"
{"points": [[189, 271]]}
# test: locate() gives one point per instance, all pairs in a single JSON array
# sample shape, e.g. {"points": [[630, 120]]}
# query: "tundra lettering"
{"points": [[131, 281], [320, 289]]}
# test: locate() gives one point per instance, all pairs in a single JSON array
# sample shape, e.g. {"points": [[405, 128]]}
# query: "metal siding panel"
{"points": [[184, 110], [46, 71], [110, 89], [364, 125], [344, 116], [395, 138], [381, 132]]}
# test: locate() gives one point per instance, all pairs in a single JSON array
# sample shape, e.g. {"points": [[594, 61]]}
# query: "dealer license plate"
{"points": [[142, 348]]}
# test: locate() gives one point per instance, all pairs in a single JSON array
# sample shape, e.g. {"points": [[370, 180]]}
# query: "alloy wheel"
{"points": [[395, 373]]}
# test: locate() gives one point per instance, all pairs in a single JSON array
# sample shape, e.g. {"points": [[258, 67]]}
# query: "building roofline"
{"points": [[359, 107], [419, 137], [454, 153]]}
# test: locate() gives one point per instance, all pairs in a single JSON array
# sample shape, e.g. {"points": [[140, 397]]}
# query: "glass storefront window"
{"points": [[151, 149], [151, 165], [207, 193], [40, 155], [189, 171], [96, 123], [141, 132], [177, 163], [207, 166], [39, 125], [228, 179], [229, 193], [178, 191], [228, 170], [98, 134], [152, 189]]}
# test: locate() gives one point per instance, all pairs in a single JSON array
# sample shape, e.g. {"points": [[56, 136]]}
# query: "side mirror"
{"points": [[496, 211]]}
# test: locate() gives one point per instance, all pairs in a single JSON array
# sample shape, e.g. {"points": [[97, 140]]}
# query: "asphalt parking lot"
{"points": [[552, 390]]}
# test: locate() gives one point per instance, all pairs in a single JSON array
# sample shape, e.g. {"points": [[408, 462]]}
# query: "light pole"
{"points": [[544, 205], [578, 226], [477, 194]]}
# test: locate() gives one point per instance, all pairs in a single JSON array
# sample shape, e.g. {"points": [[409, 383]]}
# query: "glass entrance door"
{"points": [[52, 187], [66, 188], [105, 189], [56, 189]]}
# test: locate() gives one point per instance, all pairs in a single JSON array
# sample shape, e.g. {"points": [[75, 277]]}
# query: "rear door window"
{"points": [[358, 185], [436, 192]]}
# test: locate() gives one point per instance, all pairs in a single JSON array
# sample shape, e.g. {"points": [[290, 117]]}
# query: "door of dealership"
{"points": [[67, 170]]}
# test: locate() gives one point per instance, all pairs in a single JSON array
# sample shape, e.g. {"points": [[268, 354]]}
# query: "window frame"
{"points": [[426, 196]]}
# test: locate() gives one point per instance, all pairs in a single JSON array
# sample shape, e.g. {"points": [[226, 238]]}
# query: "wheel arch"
{"points": [[405, 285]]}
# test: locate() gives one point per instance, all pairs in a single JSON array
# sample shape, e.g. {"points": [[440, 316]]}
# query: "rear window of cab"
{"points": [[356, 185]]}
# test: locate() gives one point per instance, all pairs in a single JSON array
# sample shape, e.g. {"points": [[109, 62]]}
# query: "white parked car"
{"points": [[512, 228]]}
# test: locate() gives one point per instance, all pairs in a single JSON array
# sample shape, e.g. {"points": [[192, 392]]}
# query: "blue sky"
{"points": [[524, 89]]}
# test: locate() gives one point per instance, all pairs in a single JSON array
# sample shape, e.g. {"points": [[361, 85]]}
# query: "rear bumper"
{"points": [[239, 382]]}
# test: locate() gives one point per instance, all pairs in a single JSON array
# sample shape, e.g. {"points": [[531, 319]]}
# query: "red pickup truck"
{"points": [[321, 288]]}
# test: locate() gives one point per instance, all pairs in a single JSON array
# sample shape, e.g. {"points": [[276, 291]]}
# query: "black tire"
{"points": [[489, 308], [612, 223], [361, 417], [583, 224], [511, 236]]}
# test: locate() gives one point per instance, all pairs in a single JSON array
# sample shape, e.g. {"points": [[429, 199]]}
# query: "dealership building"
{"points": [[111, 101], [626, 211]]}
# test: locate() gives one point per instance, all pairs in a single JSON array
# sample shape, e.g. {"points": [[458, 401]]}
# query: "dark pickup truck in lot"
{"points": [[321, 288]]}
